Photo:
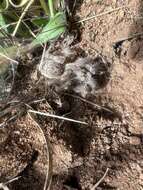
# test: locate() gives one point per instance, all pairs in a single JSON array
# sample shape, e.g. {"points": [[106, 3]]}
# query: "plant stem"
{"points": [[21, 17], [51, 7]]}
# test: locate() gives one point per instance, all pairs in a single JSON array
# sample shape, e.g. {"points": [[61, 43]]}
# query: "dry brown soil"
{"points": [[113, 137]]}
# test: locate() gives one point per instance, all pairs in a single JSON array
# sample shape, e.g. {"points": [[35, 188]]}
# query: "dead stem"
{"points": [[4, 185], [89, 102], [97, 184], [136, 35], [99, 15], [58, 117], [48, 179]]}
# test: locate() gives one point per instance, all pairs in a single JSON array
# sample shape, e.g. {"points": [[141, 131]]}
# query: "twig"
{"points": [[21, 17], [12, 180], [8, 58], [8, 120], [97, 184], [30, 31], [129, 37], [42, 58], [58, 117], [37, 101], [99, 15], [89, 102], [74, 5], [4, 185]]}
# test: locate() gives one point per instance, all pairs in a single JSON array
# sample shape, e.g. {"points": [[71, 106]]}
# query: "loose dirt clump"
{"points": [[23, 154], [113, 138]]}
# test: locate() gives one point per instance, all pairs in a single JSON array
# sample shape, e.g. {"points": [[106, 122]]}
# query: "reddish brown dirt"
{"points": [[119, 144], [114, 137]]}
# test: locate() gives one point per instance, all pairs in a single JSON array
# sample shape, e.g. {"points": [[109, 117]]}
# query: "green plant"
{"points": [[18, 19], [55, 27], [21, 19]]}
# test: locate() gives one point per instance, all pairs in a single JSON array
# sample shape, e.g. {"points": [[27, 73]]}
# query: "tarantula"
{"points": [[67, 72]]}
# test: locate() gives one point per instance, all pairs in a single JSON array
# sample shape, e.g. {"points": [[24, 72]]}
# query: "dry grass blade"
{"points": [[3, 186], [3, 124], [58, 117], [42, 58], [21, 17], [89, 102], [97, 184], [8, 58], [101, 14], [48, 179], [12, 180], [136, 35]]}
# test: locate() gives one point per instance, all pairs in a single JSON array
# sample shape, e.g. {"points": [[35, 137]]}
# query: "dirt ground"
{"points": [[113, 138]]}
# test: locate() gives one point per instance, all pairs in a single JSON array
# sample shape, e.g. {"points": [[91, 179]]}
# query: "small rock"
{"points": [[135, 141]]}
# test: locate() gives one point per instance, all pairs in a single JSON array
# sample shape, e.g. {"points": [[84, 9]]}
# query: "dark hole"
{"points": [[107, 187], [72, 182], [118, 47], [31, 162]]}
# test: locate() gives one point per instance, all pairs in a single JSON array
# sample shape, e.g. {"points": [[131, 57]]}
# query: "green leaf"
{"points": [[39, 21], [55, 27], [2, 23]]}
